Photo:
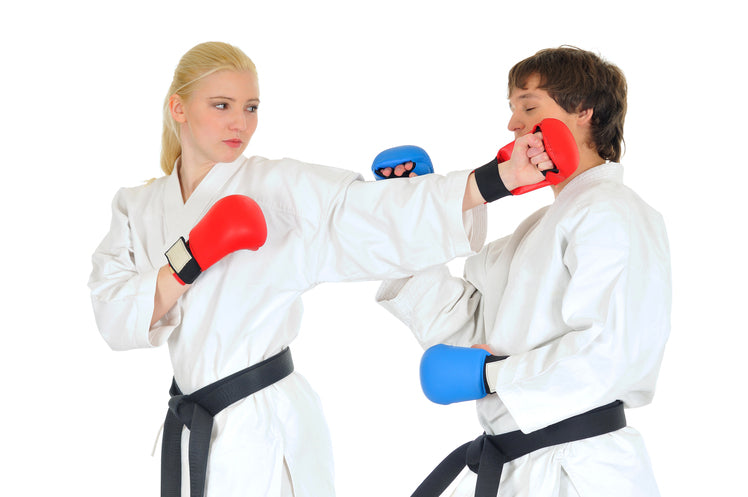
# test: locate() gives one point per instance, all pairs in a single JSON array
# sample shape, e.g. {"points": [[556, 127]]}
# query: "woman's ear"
{"points": [[176, 107]]}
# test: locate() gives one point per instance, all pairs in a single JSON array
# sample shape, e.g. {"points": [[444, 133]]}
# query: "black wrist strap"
{"points": [[489, 182], [489, 359], [182, 262], [495, 358]]}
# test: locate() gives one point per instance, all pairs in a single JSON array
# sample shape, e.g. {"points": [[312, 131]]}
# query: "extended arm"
{"points": [[547, 156]]}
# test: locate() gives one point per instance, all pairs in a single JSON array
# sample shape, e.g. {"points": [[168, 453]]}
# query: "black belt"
{"points": [[196, 412], [487, 454]]}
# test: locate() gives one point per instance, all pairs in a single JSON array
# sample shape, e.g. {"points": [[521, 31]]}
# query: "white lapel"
{"points": [[179, 216]]}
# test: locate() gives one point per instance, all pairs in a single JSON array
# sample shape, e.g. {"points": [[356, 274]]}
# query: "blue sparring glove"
{"points": [[400, 155], [455, 374]]}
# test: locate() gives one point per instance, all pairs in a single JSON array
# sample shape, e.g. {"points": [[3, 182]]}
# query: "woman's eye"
{"points": [[530, 109], [221, 106], [252, 108]]}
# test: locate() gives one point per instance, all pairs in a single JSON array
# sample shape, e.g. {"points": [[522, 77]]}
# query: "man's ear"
{"points": [[176, 108], [584, 117]]}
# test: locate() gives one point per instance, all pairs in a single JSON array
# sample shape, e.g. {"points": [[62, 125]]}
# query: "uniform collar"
{"points": [[610, 171], [181, 216]]}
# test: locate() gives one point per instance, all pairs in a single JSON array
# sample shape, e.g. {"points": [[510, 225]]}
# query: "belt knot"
{"points": [[183, 407], [476, 448]]}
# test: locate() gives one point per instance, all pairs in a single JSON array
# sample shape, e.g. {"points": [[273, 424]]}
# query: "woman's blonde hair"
{"points": [[199, 62]]}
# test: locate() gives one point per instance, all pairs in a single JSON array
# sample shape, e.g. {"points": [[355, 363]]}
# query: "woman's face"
{"points": [[220, 117]]}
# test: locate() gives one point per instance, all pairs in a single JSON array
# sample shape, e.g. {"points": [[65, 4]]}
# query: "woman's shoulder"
{"points": [[140, 194]]}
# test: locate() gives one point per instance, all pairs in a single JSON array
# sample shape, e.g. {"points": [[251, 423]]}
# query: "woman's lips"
{"points": [[233, 143]]}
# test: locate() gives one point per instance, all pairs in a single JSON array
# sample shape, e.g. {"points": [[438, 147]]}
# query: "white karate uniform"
{"points": [[579, 299], [324, 225]]}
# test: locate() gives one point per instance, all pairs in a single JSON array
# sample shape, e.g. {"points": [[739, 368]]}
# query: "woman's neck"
{"points": [[191, 174]]}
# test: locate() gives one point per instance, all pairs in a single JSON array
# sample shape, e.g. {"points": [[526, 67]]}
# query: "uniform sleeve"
{"points": [[122, 297], [394, 228], [616, 306], [441, 308], [437, 307]]}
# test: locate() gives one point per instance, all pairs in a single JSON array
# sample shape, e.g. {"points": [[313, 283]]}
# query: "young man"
{"points": [[573, 308]]}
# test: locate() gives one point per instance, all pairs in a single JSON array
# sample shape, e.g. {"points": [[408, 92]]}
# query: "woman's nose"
{"points": [[238, 121]]}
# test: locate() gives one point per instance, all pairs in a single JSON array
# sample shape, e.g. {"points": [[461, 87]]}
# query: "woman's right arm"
{"points": [[168, 291], [133, 307]]}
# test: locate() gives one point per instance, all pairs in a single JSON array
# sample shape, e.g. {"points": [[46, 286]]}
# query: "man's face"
{"points": [[531, 105]]}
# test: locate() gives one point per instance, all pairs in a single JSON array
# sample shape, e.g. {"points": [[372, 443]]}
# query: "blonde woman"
{"points": [[228, 322]]}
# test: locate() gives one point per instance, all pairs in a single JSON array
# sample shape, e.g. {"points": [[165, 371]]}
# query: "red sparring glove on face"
{"points": [[233, 223], [560, 146]]}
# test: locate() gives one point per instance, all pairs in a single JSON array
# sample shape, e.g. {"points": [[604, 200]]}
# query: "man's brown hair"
{"points": [[577, 80]]}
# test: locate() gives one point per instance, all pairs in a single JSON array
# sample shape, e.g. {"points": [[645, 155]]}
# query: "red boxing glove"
{"points": [[560, 146], [233, 223]]}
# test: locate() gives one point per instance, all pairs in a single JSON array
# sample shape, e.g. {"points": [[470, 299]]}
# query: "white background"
{"points": [[82, 87]]}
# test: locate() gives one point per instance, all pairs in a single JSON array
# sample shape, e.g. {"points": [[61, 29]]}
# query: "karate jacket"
{"points": [[579, 298], [324, 225]]}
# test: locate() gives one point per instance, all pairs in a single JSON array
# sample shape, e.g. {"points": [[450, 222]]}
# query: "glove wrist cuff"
{"points": [[490, 371], [182, 262], [489, 182]]}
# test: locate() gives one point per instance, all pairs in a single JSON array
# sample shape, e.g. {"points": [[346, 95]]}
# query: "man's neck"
{"points": [[588, 159]]}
